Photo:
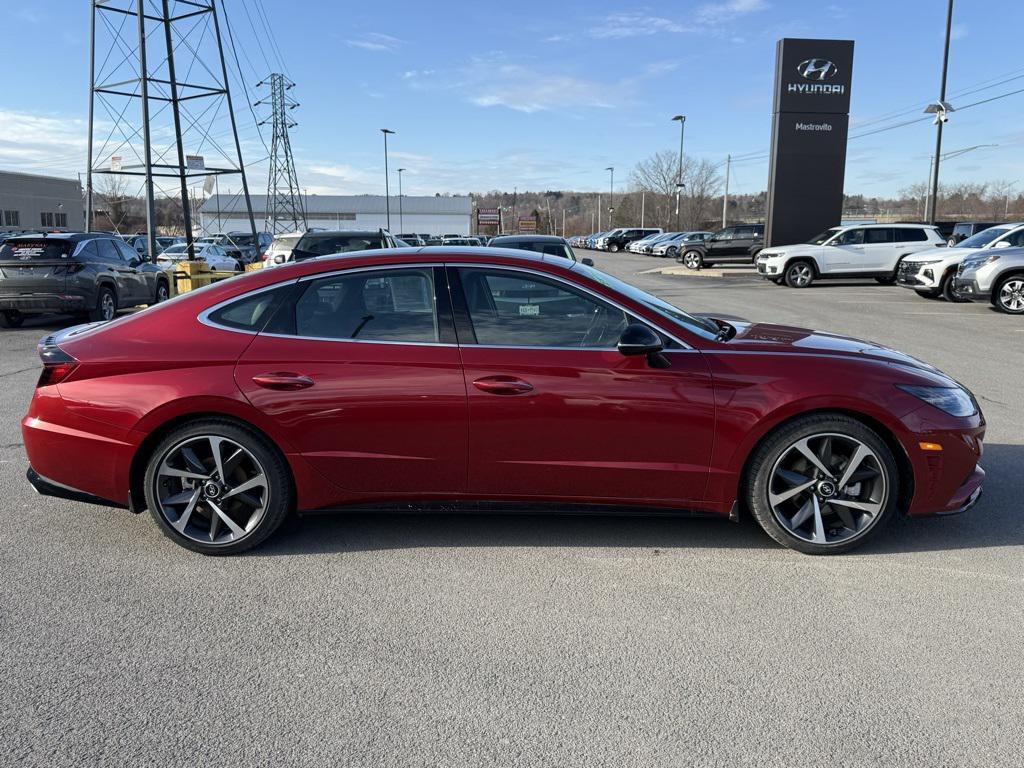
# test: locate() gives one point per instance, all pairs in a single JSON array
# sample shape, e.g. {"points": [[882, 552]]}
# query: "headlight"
{"points": [[953, 400], [981, 262], [923, 263]]}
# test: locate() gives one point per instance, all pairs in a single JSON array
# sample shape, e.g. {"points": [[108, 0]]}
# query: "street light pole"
{"points": [[611, 196], [940, 111], [679, 175], [725, 197], [387, 189], [401, 218]]}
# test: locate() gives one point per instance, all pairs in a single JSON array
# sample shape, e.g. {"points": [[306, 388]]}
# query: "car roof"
{"points": [[73, 237], [527, 239]]}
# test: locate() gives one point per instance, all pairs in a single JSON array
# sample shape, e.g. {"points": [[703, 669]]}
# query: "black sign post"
{"points": [[809, 128]]}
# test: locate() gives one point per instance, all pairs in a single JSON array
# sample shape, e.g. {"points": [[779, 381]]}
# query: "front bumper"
{"points": [[967, 288], [769, 270], [37, 303], [916, 277]]}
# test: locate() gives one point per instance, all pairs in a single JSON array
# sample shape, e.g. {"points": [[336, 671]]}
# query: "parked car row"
{"points": [[666, 243], [736, 244]]}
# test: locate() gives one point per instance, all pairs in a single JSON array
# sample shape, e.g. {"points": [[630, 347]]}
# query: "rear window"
{"points": [[326, 245], [34, 250]]}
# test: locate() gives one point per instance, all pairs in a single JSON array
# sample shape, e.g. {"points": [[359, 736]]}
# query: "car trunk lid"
{"points": [[34, 266]]}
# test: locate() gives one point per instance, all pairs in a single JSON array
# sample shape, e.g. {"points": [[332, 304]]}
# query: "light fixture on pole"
{"points": [[681, 119], [387, 190], [611, 196], [941, 110], [401, 218]]}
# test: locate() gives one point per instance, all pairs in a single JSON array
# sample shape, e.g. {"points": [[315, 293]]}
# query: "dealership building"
{"points": [[29, 201], [422, 215]]}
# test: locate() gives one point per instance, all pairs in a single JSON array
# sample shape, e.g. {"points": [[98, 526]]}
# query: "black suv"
{"points": [[965, 229], [325, 243], [624, 237], [738, 244], [77, 273]]}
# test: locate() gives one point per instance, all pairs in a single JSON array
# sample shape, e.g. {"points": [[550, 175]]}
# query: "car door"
{"points": [[739, 247], [878, 254], [720, 244], [115, 257], [844, 252], [361, 372], [556, 412]]}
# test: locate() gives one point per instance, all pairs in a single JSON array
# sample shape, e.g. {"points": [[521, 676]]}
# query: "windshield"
{"points": [[706, 329], [826, 235], [983, 238]]}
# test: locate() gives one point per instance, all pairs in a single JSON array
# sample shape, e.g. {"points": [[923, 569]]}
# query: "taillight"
{"points": [[58, 365]]}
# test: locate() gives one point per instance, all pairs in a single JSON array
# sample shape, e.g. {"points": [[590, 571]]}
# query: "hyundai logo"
{"points": [[817, 69]]}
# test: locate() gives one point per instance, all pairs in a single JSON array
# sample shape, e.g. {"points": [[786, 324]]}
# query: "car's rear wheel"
{"points": [[693, 259], [217, 488], [1008, 296], [798, 274], [11, 318], [106, 305], [823, 484]]}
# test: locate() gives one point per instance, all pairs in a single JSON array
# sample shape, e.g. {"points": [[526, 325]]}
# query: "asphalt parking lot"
{"points": [[395, 640]]}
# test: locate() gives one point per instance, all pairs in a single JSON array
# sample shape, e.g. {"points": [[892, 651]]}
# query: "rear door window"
{"points": [[34, 250], [877, 235], [910, 235]]}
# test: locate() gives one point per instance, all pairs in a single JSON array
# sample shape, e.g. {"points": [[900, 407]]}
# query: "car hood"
{"points": [[941, 254], [783, 339], [801, 249]]}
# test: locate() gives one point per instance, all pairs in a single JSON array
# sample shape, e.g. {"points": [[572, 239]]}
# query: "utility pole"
{"points": [[563, 217], [387, 190], [285, 211], [940, 110], [643, 203], [611, 196], [193, 44], [725, 197], [599, 213], [515, 195]]}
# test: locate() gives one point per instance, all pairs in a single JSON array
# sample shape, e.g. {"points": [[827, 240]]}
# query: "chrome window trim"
{"points": [[571, 284], [204, 316]]}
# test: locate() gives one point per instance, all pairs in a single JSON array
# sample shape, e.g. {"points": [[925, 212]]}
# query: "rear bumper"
{"points": [[46, 487], [35, 303]]}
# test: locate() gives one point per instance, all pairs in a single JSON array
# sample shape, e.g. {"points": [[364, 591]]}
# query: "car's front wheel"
{"points": [[946, 289], [693, 259], [799, 274], [822, 484], [672, 252], [614, 248], [216, 487], [1008, 296]]}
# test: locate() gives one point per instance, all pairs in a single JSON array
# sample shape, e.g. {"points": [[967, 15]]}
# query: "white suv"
{"points": [[860, 250], [932, 274]]}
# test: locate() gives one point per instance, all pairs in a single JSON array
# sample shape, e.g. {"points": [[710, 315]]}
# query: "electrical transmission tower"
{"points": [[285, 212], [160, 107]]}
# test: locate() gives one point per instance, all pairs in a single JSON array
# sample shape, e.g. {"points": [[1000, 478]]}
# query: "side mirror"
{"points": [[587, 262], [639, 339], [1002, 244]]}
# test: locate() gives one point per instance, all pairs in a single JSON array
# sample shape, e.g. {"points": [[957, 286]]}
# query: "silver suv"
{"points": [[995, 276]]}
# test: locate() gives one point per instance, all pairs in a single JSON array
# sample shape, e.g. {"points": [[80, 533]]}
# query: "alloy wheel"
{"points": [[1011, 295], [828, 488], [800, 275], [692, 260], [161, 292], [107, 307], [211, 490]]}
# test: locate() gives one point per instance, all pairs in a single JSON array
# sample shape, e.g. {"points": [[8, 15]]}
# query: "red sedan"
{"points": [[487, 379]]}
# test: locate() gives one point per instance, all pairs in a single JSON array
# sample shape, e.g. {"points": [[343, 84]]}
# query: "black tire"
{"points": [[1013, 302], [952, 242], [946, 289], [11, 318], [928, 294], [280, 494], [672, 252], [770, 451], [614, 247], [106, 305], [163, 292], [693, 259], [799, 274]]}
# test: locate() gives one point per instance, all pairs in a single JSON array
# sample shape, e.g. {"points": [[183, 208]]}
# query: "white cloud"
{"points": [[42, 143], [375, 41], [633, 24], [958, 32], [718, 13]]}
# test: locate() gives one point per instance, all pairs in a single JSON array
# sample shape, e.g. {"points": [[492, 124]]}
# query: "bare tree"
{"points": [[658, 176]]}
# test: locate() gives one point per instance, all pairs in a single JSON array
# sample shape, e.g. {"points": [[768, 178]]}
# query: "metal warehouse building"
{"points": [[28, 201], [422, 215]]}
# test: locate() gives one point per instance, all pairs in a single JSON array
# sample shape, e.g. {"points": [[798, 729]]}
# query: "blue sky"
{"points": [[551, 94]]}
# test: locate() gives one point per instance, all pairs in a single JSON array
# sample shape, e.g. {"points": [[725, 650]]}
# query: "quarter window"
{"points": [[252, 312], [397, 305], [511, 309], [910, 235]]}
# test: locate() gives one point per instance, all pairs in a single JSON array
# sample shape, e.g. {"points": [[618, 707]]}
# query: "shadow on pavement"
{"points": [[997, 521]]}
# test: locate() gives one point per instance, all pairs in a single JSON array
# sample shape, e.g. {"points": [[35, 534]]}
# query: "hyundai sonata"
{"points": [[454, 378]]}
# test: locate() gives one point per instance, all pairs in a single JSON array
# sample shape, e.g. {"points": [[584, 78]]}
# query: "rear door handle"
{"points": [[282, 380], [503, 385]]}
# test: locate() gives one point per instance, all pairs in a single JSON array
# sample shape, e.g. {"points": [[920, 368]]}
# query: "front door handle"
{"points": [[282, 380], [503, 385]]}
